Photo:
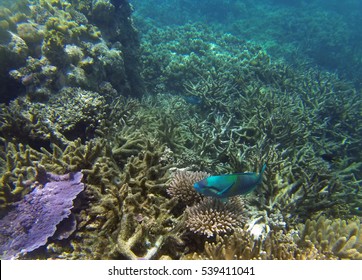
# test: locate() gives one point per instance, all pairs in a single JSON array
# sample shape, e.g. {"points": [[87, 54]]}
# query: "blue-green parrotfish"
{"points": [[227, 185]]}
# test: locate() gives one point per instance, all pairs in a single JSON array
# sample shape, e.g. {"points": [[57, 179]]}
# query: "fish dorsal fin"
{"points": [[244, 173], [221, 193]]}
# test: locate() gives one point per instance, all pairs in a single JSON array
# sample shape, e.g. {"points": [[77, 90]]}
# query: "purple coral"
{"points": [[35, 218]]}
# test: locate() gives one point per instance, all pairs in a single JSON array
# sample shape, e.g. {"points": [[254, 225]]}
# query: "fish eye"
{"points": [[117, 181]]}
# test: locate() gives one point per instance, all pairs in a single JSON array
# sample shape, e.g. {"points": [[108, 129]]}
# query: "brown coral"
{"points": [[213, 217], [339, 238], [278, 245], [238, 246], [182, 186]]}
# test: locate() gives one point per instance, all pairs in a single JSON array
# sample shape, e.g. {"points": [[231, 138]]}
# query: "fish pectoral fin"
{"points": [[213, 189], [221, 193]]}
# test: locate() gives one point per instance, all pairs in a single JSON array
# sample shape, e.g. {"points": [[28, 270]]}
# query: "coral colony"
{"points": [[34, 219], [103, 136]]}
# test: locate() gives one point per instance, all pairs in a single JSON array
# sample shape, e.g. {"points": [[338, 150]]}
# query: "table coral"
{"points": [[31, 221]]}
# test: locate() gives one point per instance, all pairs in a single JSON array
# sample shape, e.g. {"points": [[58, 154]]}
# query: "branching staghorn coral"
{"points": [[305, 186], [164, 119], [22, 162], [261, 113], [126, 143], [122, 109], [124, 213], [17, 123], [171, 64], [275, 124], [18, 168], [339, 238], [306, 183], [278, 116], [239, 245], [134, 216], [212, 91]]}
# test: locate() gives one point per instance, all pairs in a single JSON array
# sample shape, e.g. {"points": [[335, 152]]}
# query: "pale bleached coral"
{"points": [[182, 186], [212, 217]]}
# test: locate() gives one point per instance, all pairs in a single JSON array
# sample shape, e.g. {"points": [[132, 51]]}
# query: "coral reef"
{"points": [[325, 35], [119, 203], [133, 217], [53, 45], [72, 113], [215, 104], [242, 246], [244, 119], [22, 161]]}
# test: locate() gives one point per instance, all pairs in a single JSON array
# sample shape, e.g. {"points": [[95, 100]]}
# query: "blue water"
{"points": [[323, 33]]}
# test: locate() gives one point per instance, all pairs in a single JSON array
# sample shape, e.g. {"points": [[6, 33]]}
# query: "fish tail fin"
{"points": [[263, 169], [261, 173]]}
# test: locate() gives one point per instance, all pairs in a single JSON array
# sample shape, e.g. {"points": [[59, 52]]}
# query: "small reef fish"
{"points": [[194, 100], [332, 158], [227, 185]]}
